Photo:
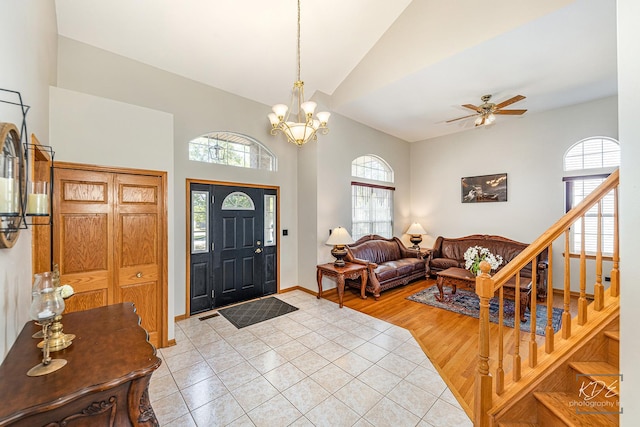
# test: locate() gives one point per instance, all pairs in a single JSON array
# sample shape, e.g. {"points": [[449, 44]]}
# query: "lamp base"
{"points": [[42, 369], [339, 252], [416, 239]]}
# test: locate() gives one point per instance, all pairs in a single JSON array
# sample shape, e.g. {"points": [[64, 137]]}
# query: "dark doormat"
{"points": [[253, 312]]}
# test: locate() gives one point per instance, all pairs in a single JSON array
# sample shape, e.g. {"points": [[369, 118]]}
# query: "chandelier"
{"points": [[306, 127]]}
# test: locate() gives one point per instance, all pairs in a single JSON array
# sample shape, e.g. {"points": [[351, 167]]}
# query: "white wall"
{"points": [[98, 131], [28, 36], [529, 149], [628, 101], [324, 172], [196, 109]]}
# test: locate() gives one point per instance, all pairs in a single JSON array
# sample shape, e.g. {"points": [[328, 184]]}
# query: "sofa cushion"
{"points": [[444, 263], [377, 251], [386, 271]]}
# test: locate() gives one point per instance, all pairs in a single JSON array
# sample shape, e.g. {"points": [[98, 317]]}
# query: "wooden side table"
{"points": [[349, 271]]}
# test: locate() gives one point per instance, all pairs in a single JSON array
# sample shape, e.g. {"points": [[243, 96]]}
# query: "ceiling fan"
{"points": [[485, 112]]}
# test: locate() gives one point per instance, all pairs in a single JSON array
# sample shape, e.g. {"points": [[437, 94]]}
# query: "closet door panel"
{"points": [[138, 249], [83, 246]]}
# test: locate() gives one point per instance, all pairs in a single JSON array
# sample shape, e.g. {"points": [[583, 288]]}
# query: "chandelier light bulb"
{"points": [[309, 108], [280, 110]]}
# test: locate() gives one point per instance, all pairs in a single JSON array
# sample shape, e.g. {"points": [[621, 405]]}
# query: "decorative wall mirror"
{"points": [[12, 184]]}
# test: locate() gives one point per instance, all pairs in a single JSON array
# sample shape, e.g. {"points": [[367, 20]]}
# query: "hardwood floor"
{"points": [[450, 340]]}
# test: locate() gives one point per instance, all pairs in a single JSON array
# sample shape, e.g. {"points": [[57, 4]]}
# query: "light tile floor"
{"points": [[317, 366]]}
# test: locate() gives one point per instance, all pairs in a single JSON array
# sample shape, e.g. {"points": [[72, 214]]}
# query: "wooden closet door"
{"points": [[109, 241], [83, 236], [138, 247]]}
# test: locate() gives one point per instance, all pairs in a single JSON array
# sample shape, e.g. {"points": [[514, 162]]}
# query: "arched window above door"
{"points": [[232, 149], [238, 201]]}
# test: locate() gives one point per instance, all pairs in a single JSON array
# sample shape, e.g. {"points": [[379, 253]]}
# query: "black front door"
{"points": [[230, 260]]}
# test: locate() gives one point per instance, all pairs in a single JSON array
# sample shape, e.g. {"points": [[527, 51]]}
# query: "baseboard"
{"points": [[181, 317], [171, 342], [297, 288], [573, 294]]}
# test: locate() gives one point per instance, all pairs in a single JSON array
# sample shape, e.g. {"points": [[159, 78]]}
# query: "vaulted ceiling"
{"points": [[404, 67]]}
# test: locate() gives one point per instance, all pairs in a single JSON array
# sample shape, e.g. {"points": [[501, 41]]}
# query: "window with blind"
{"points": [[372, 201], [595, 158]]}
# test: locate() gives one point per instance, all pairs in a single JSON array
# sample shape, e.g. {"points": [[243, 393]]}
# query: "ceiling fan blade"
{"points": [[481, 123], [472, 107], [510, 112], [510, 101], [460, 118]]}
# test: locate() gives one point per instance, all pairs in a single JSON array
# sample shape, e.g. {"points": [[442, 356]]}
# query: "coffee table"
{"points": [[456, 276]]}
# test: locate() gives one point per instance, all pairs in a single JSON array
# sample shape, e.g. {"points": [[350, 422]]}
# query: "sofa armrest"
{"points": [[370, 265]]}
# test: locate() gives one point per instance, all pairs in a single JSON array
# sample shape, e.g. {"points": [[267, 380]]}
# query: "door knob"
{"points": [[258, 250], [138, 274]]}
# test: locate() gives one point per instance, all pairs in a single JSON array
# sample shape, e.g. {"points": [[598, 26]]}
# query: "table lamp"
{"points": [[416, 231], [339, 237]]}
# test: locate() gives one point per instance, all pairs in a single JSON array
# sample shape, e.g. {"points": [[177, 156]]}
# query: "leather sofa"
{"points": [[449, 252], [389, 263]]}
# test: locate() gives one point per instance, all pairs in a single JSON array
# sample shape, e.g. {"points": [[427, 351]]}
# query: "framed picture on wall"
{"points": [[484, 188]]}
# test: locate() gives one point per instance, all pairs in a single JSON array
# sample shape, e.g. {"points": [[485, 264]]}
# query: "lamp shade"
{"points": [[339, 236], [415, 229]]}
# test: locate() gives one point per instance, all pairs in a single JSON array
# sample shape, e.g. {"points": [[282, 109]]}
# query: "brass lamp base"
{"points": [[339, 252], [415, 239], [58, 342], [42, 369]]}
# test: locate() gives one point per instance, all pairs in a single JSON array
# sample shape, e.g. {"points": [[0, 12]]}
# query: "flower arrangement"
{"points": [[474, 255], [66, 291]]}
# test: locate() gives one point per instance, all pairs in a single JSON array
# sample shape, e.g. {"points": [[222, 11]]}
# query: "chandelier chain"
{"points": [[298, 40]]}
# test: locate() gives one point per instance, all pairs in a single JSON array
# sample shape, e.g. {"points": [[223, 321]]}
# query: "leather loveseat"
{"points": [[389, 263], [448, 252]]}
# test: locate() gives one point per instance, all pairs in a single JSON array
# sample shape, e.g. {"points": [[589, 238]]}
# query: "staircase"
{"points": [[573, 378], [582, 391]]}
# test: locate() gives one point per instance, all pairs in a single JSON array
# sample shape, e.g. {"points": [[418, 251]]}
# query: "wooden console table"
{"points": [[349, 271], [104, 383]]}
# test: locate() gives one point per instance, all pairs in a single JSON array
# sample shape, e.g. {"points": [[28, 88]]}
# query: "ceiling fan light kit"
{"points": [[486, 112]]}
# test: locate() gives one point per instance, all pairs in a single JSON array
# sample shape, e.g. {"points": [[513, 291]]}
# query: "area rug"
{"points": [[467, 303], [257, 311]]}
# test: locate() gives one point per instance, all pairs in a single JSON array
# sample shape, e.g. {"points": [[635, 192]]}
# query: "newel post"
{"points": [[483, 384]]}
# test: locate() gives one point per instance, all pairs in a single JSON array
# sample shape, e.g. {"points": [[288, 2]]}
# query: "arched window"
{"points": [[587, 164], [238, 201], [232, 149], [371, 197]]}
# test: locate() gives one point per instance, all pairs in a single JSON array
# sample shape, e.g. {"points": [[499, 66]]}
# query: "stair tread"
{"points": [[603, 372], [515, 424], [612, 334], [598, 367], [560, 403]]}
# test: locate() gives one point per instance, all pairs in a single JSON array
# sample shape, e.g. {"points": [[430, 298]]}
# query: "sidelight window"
{"points": [[199, 221]]}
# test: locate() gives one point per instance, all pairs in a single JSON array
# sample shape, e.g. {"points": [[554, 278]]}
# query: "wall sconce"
{"points": [[339, 237], [416, 231]]}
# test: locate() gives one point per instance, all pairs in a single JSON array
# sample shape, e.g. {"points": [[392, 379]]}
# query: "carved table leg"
{"points": [[340, 288], [440, 285], [319, 278], [363, 278]]}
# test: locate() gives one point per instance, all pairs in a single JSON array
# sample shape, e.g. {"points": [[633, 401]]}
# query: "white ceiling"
{"points": [[403, 67]]}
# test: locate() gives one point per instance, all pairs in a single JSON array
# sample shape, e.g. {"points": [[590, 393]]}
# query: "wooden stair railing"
{"points": [[489, 398]]}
